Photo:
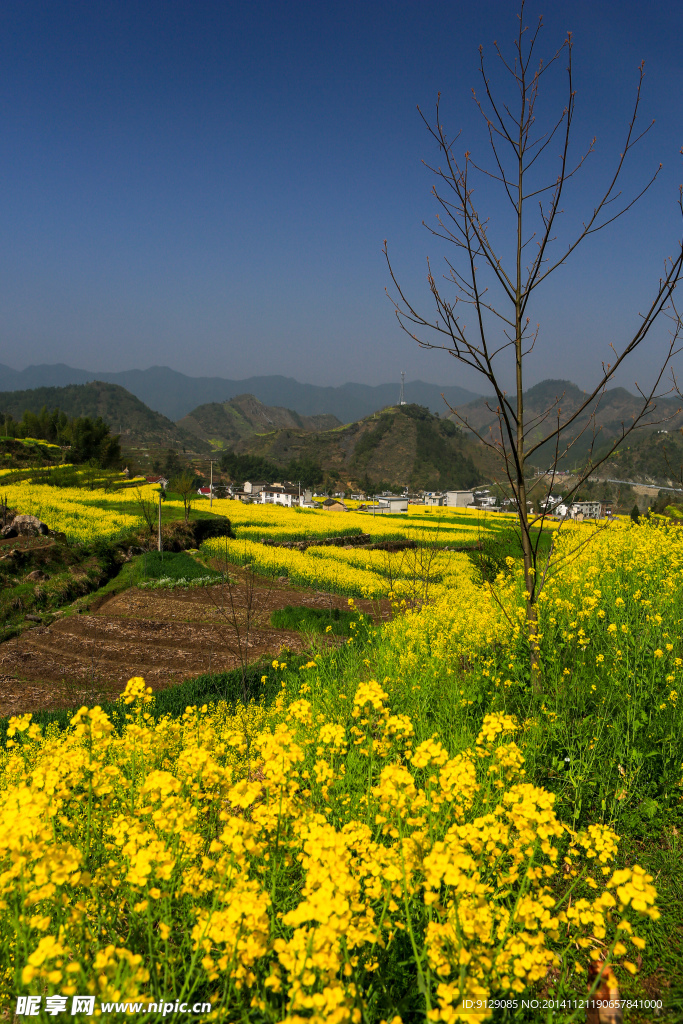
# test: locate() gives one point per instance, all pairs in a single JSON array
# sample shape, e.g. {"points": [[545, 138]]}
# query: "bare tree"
{"points": [[243, 599], [499, 293]]}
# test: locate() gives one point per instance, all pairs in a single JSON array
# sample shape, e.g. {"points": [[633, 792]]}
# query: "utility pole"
{"points": [[211, 462], [159, 540]]}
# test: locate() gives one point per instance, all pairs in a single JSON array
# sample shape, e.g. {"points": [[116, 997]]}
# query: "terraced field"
{"points": [[164, 635]]}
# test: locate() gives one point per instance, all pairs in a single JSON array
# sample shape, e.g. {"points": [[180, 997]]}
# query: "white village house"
{"points": [[581, 509], [287, 496], [254, 487], [387, 504]]}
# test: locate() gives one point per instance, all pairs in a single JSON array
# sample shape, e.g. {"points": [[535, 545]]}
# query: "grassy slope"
{"points": [[314, 620], [71, 572], [20, 454], [80, 574]]}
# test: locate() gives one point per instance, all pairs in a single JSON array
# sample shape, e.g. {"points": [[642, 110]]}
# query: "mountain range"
{"points": [[402, 445], [175, 395], [612, 410], [208, 427], [415, 448]]}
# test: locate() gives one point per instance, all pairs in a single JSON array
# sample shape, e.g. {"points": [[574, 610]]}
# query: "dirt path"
{"points": [[164, 635]]}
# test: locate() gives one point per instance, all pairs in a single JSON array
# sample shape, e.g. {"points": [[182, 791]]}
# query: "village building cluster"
{"points": [[292, 495]]}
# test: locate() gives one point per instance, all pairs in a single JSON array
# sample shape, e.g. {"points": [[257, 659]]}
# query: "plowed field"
{"points": [[164, 635]]}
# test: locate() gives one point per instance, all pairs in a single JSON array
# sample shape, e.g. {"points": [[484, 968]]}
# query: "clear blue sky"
{"points": [[208, 185]]}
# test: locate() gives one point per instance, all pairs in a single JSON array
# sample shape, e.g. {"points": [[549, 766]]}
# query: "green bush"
{"points": [[315, 620]]}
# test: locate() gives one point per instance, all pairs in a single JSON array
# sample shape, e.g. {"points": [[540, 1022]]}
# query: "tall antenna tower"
{"points": [[402, 398]]}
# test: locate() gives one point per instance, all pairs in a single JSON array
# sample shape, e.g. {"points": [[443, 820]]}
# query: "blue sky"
{"points": [[208, 185]]}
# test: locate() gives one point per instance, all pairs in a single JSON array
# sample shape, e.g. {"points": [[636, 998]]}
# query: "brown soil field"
{"points": [[165, 636]]}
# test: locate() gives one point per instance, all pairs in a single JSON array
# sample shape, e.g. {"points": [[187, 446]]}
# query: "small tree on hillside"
{"points": [[500, 337], [185, 485], [147, 510]]}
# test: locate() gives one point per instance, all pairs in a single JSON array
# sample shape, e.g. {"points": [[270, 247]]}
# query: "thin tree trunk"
{"points": [[527, 547], [531, 607]]}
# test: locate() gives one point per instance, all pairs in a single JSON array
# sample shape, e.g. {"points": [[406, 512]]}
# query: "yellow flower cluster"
{"points": [[85, 515], [226, 854], [299, 566], [616, 589], [462, 620]]}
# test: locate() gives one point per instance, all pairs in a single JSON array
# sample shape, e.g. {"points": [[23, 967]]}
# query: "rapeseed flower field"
{"points": [[82, 515], [408, 831], [356, 572]]}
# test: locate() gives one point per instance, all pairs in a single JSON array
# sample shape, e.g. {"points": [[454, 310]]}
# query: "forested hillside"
{"points": [[70, 439], [125, 414], [613, 411], [224, 423], [401, 445]]}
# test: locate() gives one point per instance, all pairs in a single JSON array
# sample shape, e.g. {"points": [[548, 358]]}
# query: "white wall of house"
{"points": [[394, 504], [459, 499], [586, 509], [271, 495], [589, 509]]}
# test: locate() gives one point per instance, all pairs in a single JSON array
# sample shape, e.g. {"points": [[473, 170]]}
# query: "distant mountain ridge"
{"points": [[612, 409], [210, 426], [411, 448], [225, 423], [175, 395]]}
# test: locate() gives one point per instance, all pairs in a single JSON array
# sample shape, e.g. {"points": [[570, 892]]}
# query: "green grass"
{"points": [[174, 565], [315, 620], [505, 543], [659, 849], [150, 568], [72, 571]]}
